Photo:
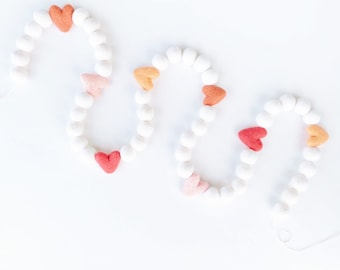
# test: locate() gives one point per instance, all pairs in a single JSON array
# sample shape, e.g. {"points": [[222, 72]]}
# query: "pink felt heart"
{"points": [[108, 163], [194, 185], [251, 137], [94, 84]]}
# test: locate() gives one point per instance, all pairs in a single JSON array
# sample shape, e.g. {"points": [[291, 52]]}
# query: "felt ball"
{"points": [[90, 25], [290, 196], [104, 68], [185, 169], [312, 154], [307, 168], [189, 56], [273, 107], [20, 58], [79, 143], [142, 97], [78, 114], [199, 127], [300, 182], [288, 102], [127, 153], [239, 186], [138, 143], [25, 43], [160, 62], [102, 52], [281, 210], [227, 193], [84, 100], [174, 55], [212, 193], [33, 30], [97, 38], [188, 139], [19, 75], [207, 113], [312, 118], [302, 106], [89, 153], [43, 18], [145, 112], [201, 64], [145, 129], [75, 129], [209, 77], [79, 16], [248, 156], [244, 171], [264, 119], [183, 153]]}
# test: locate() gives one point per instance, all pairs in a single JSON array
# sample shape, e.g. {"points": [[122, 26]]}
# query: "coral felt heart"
{"points": [[194, 185], [317, 135], [251, 137], [213, 94], [94, 83], [108, 163], [62, 18], [145, 75]]}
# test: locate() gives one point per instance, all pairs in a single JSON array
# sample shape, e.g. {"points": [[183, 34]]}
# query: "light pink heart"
{"points": [[194, 185], [94, 84]]}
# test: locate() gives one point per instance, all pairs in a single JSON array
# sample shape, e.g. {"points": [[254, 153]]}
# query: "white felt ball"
{"points": [[127, 153], [239, 185], [201, 64], [312, 154], [145, 112], [142, 97], [43, 18], [104, 68], [281, 210], [244, 171], [299, 182], [78, 114], [89, 153], [75, 129], [288, 102], [209, 77], [264, 119], [79, 16], [20, 58], [273, 107], [91, 25], [79, 143], [19, 75], [212, 193], [185, 169], [207, 113], [145, 129], [188, 139], [227, 193], [199, 127], [84, 100], [312, 118], [183, 153], [138, 143], [33, 30], [249, 156], [160, 62], [189, 56], [102, 52], [290, 196], [97, 37], [174, 55], [307, 168], [302, 106], [25, 43]]}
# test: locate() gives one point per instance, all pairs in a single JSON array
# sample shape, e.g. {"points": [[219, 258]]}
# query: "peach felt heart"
{"points": [[213, 94], [145, 75], [194, 185], [317, 136], [94, 84], [62, 18], [251, 137], [108, 163]]}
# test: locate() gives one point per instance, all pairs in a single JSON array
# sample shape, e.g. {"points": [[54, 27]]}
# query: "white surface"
{"points": [[59, 212]]}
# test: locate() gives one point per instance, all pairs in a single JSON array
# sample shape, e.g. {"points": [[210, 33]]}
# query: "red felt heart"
{"points": [[108, 163], [251, 137], [194, 185]]}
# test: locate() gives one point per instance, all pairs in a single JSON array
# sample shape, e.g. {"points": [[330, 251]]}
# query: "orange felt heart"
{"points": [[317, 136], [145, 75], [62, 18], [213, 94]]}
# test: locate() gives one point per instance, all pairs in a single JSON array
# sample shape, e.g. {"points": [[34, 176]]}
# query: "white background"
{"points": [[57, 212]]}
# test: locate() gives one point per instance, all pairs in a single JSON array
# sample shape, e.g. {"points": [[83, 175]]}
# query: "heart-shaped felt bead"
{"points": [[145, 75], [251, 137], [108, 163], [213, 94], [317, 136], [94, 83], [194, 185], [62, 18]]}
